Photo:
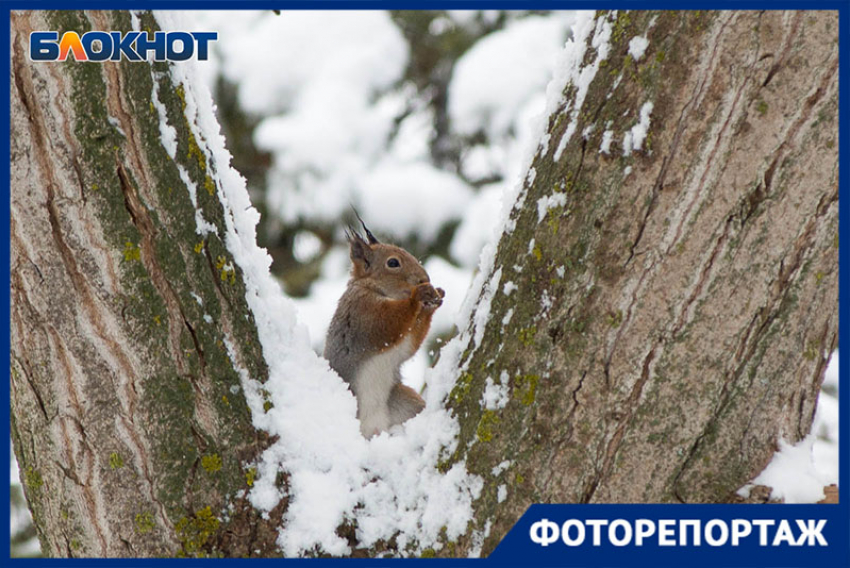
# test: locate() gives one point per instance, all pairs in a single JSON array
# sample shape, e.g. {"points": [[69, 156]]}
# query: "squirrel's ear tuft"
{"points": [[359, 250], [369, 235]]}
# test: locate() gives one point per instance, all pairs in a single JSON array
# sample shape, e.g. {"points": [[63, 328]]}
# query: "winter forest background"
{"points": [[420, 121]]}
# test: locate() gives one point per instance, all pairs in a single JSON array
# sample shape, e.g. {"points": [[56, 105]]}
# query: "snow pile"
{"points": [[533, 137], [547, 202], [798, 473], [825, 425], [469, 17], [792, 475]]}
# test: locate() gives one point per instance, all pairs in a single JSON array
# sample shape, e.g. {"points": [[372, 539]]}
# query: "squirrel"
{"points": [[380, 321]]}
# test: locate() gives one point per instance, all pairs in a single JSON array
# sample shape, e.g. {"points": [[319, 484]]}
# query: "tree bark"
{"points": [[671, 319], [127, 418]]}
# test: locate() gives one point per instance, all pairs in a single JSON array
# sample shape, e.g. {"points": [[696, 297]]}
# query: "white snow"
{"points": [[116, 124], [547, 202], [637, 47], [475, 227], [791, 474], [798, 473], [468, 17], [634, 138], [167, 133], [570, 69], [825, 425], [168, 138], [495, 395], [478, 537], [482, 310], [502, 493], [500, 73], [503, 466], [546, 302], [361, 50], [416, 198], [314, 77], [605, 146], [306, 246]]}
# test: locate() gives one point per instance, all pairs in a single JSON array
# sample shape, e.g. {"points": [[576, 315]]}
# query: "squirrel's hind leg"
{"points": [[404, 403]]}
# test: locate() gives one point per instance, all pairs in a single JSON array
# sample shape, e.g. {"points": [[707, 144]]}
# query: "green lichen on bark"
{"points": [[576, 251], [193, 407], [196, 532]]}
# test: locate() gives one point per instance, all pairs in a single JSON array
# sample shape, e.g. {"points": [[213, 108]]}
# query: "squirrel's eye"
{"points": [[393, 263]]}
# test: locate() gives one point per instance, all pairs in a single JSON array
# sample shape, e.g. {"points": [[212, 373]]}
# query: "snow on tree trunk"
{"points": [[662, 311], [128, 420]]}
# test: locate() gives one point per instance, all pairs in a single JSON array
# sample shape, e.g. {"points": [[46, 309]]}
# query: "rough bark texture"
{"points": [[670, 321], [127, 418], [692, 284]]}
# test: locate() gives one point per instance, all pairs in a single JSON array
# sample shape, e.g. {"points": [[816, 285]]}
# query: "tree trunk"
{"points": [[674, 309], [667, 318], [127, 416]]}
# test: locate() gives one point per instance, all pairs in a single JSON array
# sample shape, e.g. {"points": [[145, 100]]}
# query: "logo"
{"points": [[113, 46]]}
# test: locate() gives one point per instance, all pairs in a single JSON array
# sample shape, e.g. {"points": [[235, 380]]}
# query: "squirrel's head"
{"points": [[389, 269]]}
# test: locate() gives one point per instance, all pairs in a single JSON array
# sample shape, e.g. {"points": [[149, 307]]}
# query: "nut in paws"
{"points": [[429, 296]]}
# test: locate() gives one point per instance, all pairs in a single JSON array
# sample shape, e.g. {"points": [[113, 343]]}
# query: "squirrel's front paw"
{"points": [[429, 296]]}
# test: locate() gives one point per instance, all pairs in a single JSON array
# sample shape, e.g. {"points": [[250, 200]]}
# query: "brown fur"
{"points": [[381, 308]]}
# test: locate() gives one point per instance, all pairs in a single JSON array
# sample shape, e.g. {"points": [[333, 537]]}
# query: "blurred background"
{"points": [[417, 119]]}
